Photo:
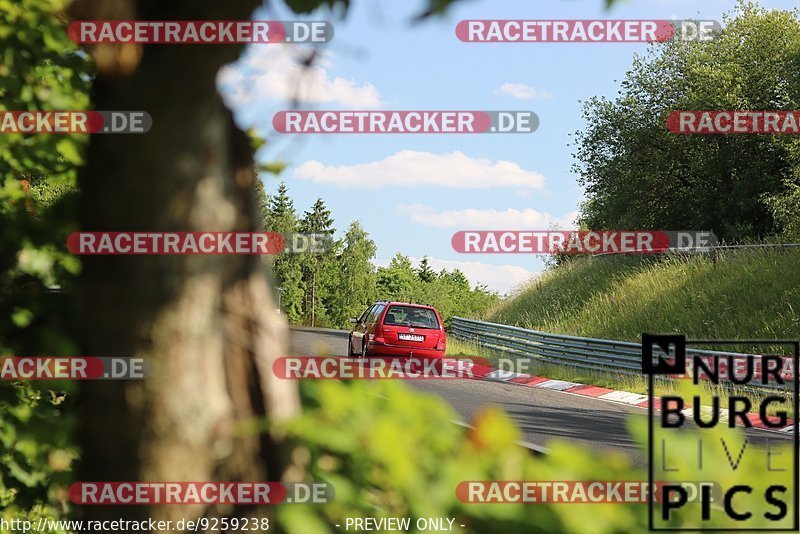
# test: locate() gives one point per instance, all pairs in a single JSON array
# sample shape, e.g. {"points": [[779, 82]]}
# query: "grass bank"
{"points": [[744, 294]]}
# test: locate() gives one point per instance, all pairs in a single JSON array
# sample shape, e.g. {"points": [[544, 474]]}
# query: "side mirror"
{"points": [[353, 320]]}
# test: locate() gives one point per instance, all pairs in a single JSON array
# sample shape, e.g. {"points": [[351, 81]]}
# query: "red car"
{"points": [[398, 329]]}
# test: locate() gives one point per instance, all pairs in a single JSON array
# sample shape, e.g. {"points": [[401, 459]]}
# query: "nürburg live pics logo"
{"points": [[724, 419]]}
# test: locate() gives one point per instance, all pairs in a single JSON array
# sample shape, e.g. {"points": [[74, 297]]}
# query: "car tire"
{"points": [[350, 351], [364, 347]]}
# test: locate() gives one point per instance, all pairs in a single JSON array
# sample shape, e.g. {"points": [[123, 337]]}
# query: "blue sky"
{"points": [[379, 59]]}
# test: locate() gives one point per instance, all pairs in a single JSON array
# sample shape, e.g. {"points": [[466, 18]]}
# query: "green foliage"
{"points": [[638, 175], [319, 270], [325, 290], [36, 454], [448, 291], [280, 217], [354, 276], [262, 204], [398, 281], [307, 6], [392, 452], [744, 294], [41, 69], [785, 207], [317, 220], [424, 271]]}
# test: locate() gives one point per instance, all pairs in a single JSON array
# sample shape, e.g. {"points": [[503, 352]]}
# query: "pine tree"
{"points": [[317, 220], [425, 272], [281, 215], [316, 274], [287, 269], [262, 204]]}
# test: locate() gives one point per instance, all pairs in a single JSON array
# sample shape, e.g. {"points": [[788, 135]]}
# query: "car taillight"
{"points": [[378, 334], [442, 341]]}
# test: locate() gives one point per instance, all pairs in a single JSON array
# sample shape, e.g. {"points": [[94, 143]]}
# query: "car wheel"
{"points": [[350, 351], [364, 347]]}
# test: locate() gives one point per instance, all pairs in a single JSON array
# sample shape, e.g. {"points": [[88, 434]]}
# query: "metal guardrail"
{"points": [[619, 357]]}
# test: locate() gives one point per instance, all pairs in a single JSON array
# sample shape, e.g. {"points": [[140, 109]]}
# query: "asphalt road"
{"points": [[542, 415]]}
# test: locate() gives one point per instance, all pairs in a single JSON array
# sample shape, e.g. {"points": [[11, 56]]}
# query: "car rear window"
{"points": [[411, 316], [375, 313]]}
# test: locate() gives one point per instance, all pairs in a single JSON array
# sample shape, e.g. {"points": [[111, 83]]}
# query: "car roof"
{"points": [[409, 304]]}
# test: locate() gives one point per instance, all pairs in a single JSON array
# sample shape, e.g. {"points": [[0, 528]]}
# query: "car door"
{"points": [[371, 320], [360, 329]]}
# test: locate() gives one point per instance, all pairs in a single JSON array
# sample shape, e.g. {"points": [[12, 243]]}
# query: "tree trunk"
{"points": [[206, 325], [313, 297]]}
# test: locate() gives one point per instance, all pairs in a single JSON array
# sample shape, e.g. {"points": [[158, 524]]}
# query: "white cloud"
{"points": [[411, 168], [523, 92], [276, 72], [486, 219], [500, 278]]}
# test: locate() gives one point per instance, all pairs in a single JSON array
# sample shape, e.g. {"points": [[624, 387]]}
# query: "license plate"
{"points": [[411, 337]]}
